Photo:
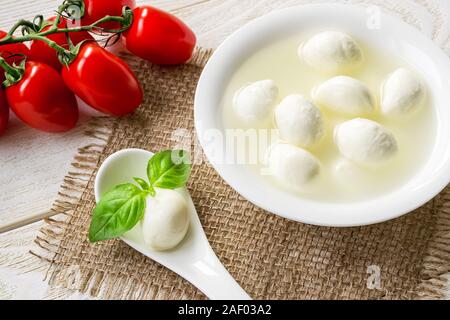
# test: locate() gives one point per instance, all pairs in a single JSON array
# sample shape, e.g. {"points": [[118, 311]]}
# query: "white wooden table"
{"points": [[33, 164]]}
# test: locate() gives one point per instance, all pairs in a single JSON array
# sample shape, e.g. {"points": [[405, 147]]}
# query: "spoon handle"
{"points": [[211, 277]]}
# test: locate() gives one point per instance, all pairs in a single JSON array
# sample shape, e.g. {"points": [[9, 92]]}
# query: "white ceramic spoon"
{"points": [[194, 258]]}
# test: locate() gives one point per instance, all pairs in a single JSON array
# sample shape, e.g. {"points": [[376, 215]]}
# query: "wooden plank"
{"points": [[21, 273], [33, 164]]}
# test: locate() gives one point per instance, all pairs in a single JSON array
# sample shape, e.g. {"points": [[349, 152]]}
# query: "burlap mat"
{"points": [[271, 257]]}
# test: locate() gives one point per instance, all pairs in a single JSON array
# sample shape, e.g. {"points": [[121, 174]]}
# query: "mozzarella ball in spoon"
{"points": [[331, 52], [166, 220], [365, 141], [299, 121], [292, 165], [402, 93], [254, 102], [344, 95]]}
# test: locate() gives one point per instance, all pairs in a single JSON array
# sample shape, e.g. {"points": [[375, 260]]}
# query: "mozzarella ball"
{"points": [[299, 121], [365, 141], [255, 101], [402, 93], [331, 52], [344, 95], [292, 165], [166, 220]]}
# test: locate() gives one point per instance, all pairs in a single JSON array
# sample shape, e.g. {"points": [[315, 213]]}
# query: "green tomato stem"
{"points": [[17, 25], [13, 74], [50, 43], [125, 21], [9, 69]]}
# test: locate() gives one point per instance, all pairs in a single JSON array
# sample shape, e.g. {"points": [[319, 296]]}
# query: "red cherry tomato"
{"points": [[103, 81], [40, 51], [97, 9], [8, 50], [159, 37], [4, 112], [41, 100]]}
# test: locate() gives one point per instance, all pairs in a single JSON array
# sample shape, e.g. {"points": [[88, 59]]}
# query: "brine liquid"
{"points": [[340, 180]]}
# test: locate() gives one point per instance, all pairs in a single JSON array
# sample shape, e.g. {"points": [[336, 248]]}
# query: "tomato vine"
{"points": [[37, 29], [42, 93]]}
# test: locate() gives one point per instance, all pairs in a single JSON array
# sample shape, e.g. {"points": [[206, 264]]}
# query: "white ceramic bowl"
{"points": [[393, 36]]}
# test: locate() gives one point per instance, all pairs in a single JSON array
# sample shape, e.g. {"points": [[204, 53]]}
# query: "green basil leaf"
{"points": [[169, 169], [118, 211], [144, 185]]}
